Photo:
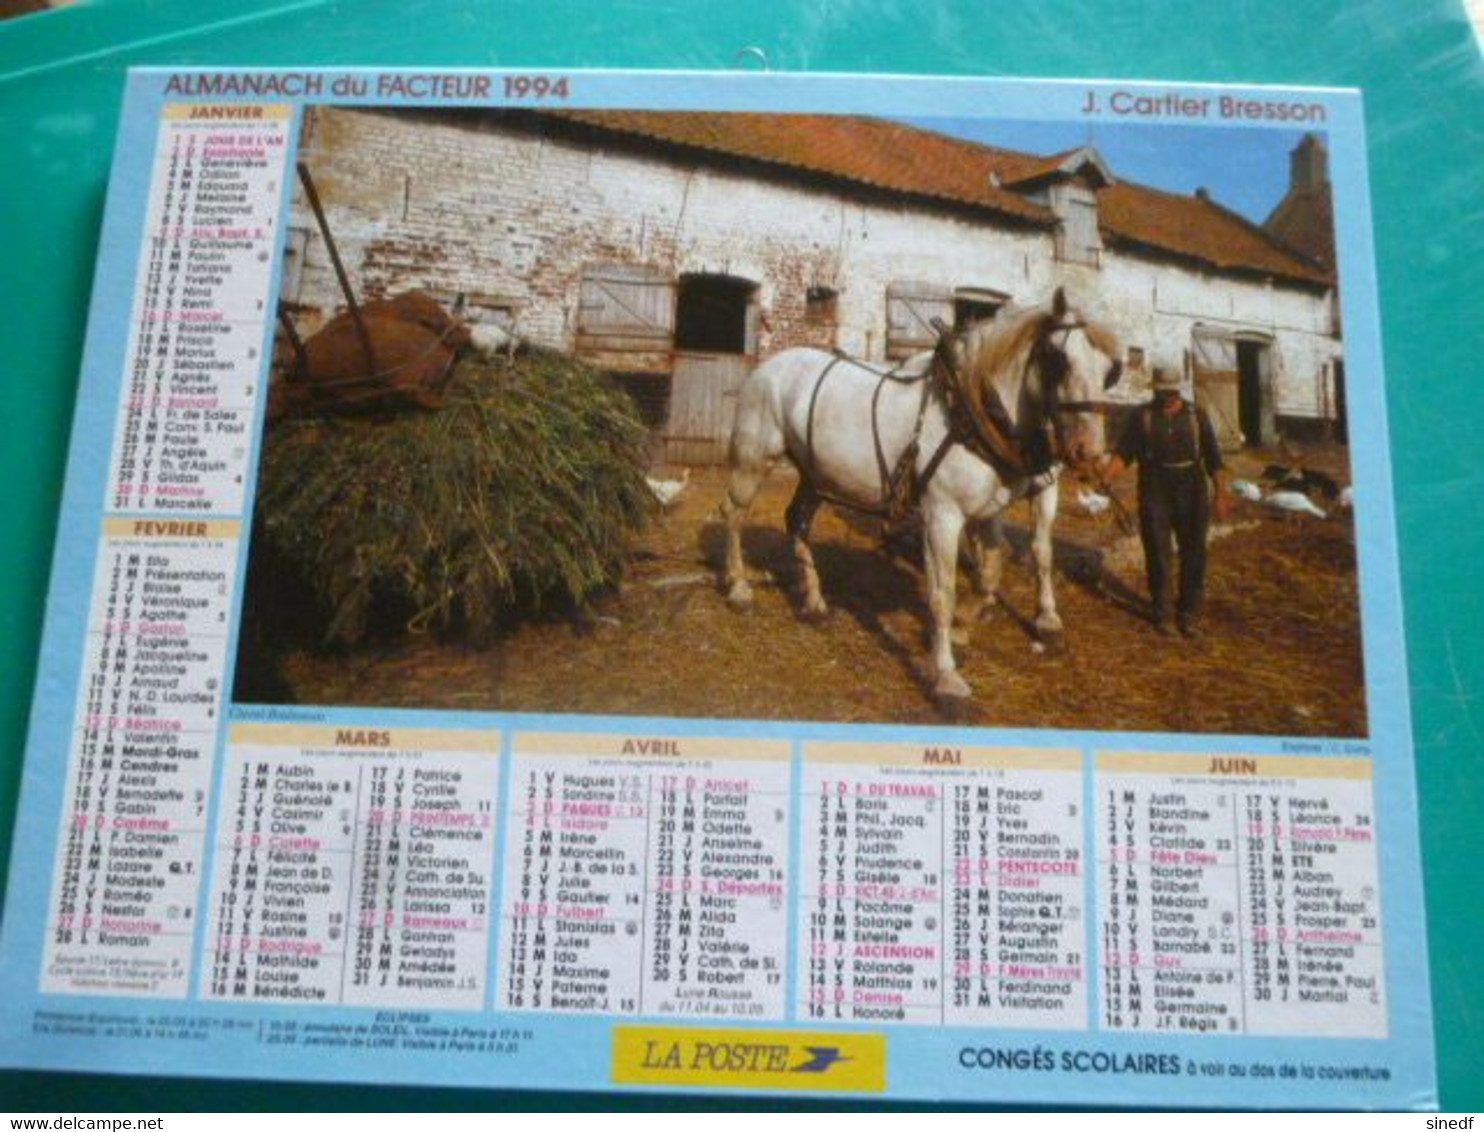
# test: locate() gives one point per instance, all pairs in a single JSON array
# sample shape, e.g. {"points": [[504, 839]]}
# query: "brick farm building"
{"points": [[676, 250]]}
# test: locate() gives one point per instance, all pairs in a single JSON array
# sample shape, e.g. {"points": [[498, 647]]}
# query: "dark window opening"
{"points": [[476, 307], [970, 312], [821, 304], [711, 314], [1341, 424], [1135, 357]]}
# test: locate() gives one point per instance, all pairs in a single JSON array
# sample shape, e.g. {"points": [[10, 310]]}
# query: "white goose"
{"points": [[1294, 502]]}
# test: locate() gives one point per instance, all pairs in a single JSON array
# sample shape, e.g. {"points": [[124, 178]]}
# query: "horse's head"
{"points": [[1075, 361]]}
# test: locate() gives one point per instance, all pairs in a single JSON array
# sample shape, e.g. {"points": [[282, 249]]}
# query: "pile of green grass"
{"points": [[520, 495]]}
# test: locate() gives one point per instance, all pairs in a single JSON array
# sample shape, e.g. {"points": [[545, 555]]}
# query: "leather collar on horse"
{"points": [[983, 424]]}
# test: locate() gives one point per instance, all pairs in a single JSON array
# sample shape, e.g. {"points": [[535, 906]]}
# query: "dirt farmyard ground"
{"points": [[1281, 654]]}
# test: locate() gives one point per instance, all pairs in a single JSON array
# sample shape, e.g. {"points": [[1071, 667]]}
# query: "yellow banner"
{"points": [[749, 1059]]}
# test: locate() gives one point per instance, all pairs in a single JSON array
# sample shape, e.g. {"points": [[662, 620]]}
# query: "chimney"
{"points": [[1203, 193], [1308, 165]]}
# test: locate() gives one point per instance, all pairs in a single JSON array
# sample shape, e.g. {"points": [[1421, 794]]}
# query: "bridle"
{"points": [[1045, 369], [1053, 404]]}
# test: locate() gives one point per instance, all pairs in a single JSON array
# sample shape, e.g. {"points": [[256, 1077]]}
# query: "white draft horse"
{"points": [[846, 427]]}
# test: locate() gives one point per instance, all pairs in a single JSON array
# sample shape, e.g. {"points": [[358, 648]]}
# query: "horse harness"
{"points": [[986, 431], [893, 481]]}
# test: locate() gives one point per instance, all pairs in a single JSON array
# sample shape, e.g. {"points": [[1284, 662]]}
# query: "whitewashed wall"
{"points": [[1156, 305], [466, 205]]}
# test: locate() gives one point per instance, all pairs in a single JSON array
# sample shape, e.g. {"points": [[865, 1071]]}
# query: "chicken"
{"points": [[491, 341], [668, 492], [1092, 502]]}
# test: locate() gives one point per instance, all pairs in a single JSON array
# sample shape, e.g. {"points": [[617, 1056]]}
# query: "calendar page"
{"points": [[872, 586]]}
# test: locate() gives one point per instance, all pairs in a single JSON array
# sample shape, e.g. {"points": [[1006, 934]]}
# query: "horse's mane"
{"points": [[1103, 338], [999, 347]]}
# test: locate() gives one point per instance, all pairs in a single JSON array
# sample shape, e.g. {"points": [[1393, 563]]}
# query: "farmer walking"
{"points": [[1180, 475]]}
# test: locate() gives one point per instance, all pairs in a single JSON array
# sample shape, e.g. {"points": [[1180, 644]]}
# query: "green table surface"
{"points": [[61, 81]]}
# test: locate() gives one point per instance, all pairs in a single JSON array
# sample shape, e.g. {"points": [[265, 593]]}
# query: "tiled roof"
{"points": [[1199, 230], [1025, 169], [899, 158], [868, 151]]}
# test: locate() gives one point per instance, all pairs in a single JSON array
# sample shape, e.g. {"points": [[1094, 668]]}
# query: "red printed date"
{"points": [[536, 86]]}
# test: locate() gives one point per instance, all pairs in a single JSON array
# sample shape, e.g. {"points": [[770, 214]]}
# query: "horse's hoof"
{"points": [[1053, 640], [739, 597], [1047, 627], [951, 687], [814, 614]]}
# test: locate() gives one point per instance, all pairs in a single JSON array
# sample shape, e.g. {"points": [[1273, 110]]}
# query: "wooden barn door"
{"points": [[626, 318], [910, 310], [715, 349], [1213, 359], [703, 405]]}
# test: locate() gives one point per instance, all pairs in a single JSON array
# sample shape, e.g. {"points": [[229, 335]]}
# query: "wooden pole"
{"points": [[301, 359], [350, 296]]}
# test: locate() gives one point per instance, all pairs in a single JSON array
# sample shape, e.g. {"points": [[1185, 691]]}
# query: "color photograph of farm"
{"points": [[497, 466]]}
